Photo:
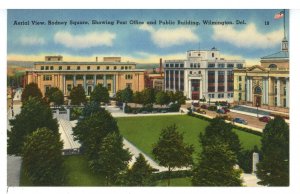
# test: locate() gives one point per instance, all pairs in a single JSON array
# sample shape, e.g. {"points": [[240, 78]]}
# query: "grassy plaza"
{"points": [[143, 132]]}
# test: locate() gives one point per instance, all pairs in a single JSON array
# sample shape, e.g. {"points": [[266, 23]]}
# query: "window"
{"points": [[211, 65], [230, 65], [221, 65], [191, 65], [240, 96], [275, 101], [69, 77], [167, 65], [181, 65], [109, 77], [199, 72], [47, 67], [257, 90], [240, 87], [51, 68], [79, 77], [213, 55], [129, 85], [129, 67], [240, 78], [211, 95], [89, 77], [125, 67], [191, 72], [115, 67], [128, 76], [68, 67], [98, 67], [47, 88], [47, 77], [122, 67], [109, 87], [220, 95], [177, 65], [171, 65], [60, 68], [239, 66], [69, 87], [42, 67], [272, 66], [78, 67], [99, 76], [230, 95], [88, 67], [107, 68]]}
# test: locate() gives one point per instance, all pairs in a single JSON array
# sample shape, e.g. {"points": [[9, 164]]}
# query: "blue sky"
{"points": [[143, 43]]}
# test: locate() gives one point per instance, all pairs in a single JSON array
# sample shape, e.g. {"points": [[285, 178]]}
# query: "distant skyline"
{"points": [[258, 36]]}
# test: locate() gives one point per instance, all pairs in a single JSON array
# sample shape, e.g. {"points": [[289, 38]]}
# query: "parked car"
{"points": [[204, 106], [221, 111], [201, 111], [265, 119], [164, 111], [144, 112], [226, 109], [240, 120]]}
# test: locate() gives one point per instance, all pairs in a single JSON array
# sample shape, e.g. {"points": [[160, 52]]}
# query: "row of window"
{"points": [[176, 65], [229, 95], [222, 65], [87, 67]]}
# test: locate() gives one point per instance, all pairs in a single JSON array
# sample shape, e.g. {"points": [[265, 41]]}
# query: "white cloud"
{"points": [[248, 37], [84, 41], [30, 40], [170, 37]]}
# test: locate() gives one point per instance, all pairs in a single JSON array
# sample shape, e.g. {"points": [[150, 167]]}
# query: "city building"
{"points": [[111, 73], [204, 74], [265, 85]]}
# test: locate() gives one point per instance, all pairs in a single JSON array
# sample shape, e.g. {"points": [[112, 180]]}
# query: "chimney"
{"points": [[160, 66], [96, 59]]}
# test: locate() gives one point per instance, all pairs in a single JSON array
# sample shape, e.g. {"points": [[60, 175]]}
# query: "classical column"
{"points": [[104, 81], [201, 88], [169, 80], [225, 82], [189, 89], [165, 77], [251, 90], [84, 83], [114, 84], [95, 80], [179, 80], [216, 81], [74, 80], [287, 86], [278, 91], [64, 84], [264, 90], [174, 83], [267, 90], [247, 89]]}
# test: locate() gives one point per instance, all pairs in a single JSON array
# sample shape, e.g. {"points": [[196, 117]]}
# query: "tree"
{"points": [[216, 167], [113, 158], [161, 98], [77, 95], [127, 95], [179, 97], [43, 159], [170, 150], [140, 173], [31, 90], [100, 94], [91, 108], [219, 130], [92, 129], [273, 170], [148, 96], [34, 114], [55, 95], [138, 97]]}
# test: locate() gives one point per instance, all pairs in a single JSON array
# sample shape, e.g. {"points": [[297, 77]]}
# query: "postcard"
{"points": [[173, 98]]}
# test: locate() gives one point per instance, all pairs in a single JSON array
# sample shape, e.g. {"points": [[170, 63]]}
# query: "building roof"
{"points": [[278, 55], [84, 63]]}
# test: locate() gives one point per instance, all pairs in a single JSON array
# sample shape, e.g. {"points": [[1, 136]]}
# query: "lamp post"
{"points": [[257, 108]]}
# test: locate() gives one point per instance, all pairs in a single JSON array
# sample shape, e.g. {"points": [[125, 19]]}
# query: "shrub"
{"points": [[212, 108]]}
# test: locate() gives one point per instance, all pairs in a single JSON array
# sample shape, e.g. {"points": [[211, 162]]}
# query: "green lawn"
{"points": [[176, 182], [78, 173], [144, 131]]}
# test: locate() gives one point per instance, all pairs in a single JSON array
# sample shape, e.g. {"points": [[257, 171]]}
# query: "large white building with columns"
{"points": [[266, 85], [204, 74]]}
